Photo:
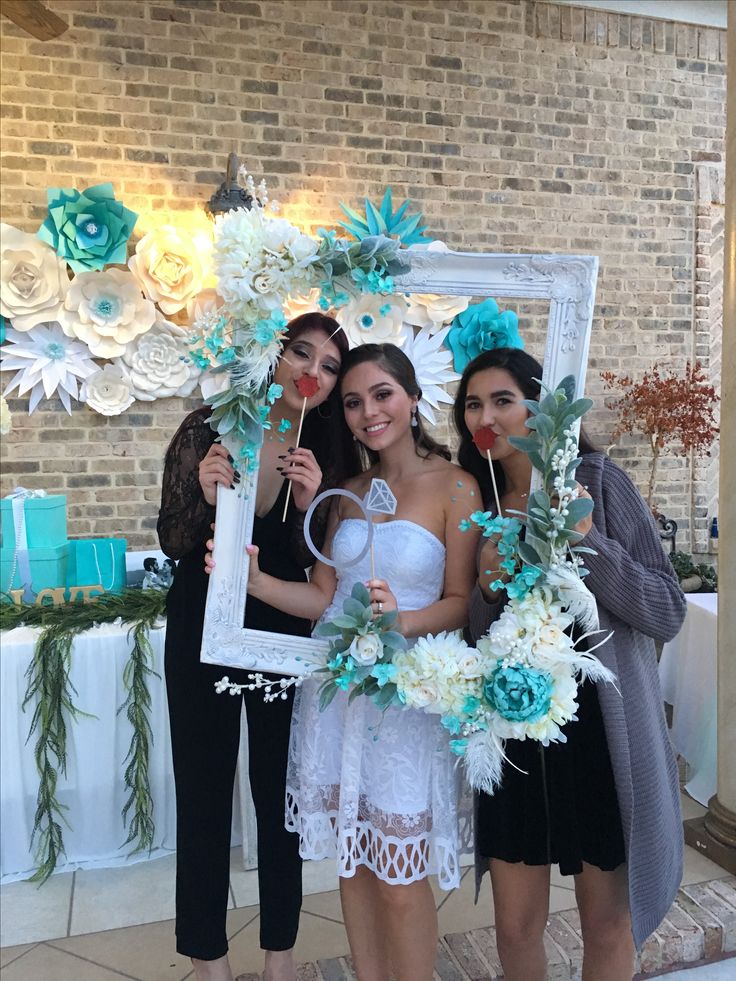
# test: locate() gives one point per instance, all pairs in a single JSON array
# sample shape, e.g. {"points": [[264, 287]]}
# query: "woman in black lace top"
{"points": [[205, 727]]}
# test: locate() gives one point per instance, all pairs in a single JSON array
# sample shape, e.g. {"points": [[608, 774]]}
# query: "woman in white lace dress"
{"points": [[379, 790]]}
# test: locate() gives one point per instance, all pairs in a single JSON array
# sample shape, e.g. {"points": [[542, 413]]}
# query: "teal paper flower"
{"points": [[519, 694], [383, 220], [482, 327], [383, 673], [89, 229]]}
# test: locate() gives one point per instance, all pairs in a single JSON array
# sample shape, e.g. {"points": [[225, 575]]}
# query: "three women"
{"points": [[379, 791]]}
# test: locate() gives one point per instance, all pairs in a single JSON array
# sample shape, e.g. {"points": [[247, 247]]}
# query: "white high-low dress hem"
{"points": [[372, 788]]}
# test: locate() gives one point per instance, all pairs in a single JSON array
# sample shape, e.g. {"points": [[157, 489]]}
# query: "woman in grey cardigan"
{"points": [[604, 806]]}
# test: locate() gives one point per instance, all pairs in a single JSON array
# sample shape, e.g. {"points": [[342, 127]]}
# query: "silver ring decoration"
{"points": [[337, 492], [380, 607]]}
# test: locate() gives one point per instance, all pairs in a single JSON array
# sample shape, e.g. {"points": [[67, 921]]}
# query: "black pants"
{"points": [[205, 732]]}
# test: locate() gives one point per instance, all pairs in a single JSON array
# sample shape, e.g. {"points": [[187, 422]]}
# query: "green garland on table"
{"points": [[50, 687]]}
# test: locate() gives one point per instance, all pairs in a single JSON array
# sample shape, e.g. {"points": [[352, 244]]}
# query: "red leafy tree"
{"points": [[674, 412]]}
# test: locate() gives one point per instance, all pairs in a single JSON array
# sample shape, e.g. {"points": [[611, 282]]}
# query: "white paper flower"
{"points": [[6, 417], [431, 312], [106, 310], [433, 368], [204, 311], [170, 267], [372, 318], [108, 391], [158, 365], [295, 306], [33, 279], [258, 260], [46, 362]]}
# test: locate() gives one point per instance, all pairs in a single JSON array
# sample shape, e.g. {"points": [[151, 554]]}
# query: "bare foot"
{"points": [[218, 970], [279, 966]]}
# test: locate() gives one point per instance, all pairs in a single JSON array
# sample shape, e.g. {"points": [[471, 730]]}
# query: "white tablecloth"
{"points": [[688, 672], [93, 788]]}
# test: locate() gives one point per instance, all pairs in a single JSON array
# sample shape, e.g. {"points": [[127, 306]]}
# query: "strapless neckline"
{"points": [[400, 521]]}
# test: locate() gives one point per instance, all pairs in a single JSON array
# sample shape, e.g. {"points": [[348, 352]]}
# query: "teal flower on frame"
{"points": [[89, 229], [482, 327], [383, 220], [519, 694]]}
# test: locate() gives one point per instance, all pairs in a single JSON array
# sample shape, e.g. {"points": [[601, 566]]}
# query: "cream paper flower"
{"points": [[295, 306], [430, 312], [158, 365], [33, 279], [108, 391], [106, 310], [6, 417], [372, 318], [46, 362], [170, 267], [433, 368]]}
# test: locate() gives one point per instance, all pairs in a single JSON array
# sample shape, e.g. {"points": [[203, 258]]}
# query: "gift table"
{"points": [[688, 673], [93, 789]]}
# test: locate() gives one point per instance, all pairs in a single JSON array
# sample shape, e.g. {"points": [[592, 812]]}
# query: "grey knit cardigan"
{"points": [[639, 598]]}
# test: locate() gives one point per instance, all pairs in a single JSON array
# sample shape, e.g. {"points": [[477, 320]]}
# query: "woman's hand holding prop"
{"points": [[216, 468]]}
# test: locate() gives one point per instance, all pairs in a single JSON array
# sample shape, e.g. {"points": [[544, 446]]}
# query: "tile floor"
{"points": [[103, 924]]}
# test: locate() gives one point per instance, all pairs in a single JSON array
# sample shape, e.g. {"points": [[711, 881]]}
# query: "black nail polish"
{"points": [[290, 450], [230, 459], [280, 469], [232, 486], [282, 456], [237, 478]]}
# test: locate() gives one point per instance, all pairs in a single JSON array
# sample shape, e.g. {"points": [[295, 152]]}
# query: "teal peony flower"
{"points": [[519, 694], [89, 229], [482, 327]]}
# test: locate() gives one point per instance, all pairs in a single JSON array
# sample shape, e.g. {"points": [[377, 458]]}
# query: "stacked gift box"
{"points": [[53, 560]]}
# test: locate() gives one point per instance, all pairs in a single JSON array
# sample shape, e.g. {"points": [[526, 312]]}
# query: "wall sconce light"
{"points": [[231, 193]]}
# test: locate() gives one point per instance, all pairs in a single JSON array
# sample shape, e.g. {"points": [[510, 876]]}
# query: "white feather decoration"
{"points": [[576, 598], [483, 761]]}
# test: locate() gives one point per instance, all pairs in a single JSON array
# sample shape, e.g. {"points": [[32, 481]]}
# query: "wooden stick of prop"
{"points": [[484, 438], [307, 387]]}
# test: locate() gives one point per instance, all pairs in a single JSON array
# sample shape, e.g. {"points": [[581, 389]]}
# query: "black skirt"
{"points": [[563, 810]]}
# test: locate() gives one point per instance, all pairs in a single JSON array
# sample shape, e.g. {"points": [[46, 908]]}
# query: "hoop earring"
{"points": [[324, 415]]}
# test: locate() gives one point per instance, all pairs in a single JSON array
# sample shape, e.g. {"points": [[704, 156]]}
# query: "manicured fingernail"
{"points": [[237, 478], [282, 456], [290, 450], [280, 469], [232, 486], [230, 459]]}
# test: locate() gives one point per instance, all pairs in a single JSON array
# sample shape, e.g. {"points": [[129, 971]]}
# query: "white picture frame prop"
{"points": [[566, 282]]}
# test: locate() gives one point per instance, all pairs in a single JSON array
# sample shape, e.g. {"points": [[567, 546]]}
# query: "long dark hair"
{"points": [[526, 372], [395, 363]]}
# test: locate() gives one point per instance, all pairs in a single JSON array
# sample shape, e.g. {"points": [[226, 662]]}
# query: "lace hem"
{"points": [[397, 859]]}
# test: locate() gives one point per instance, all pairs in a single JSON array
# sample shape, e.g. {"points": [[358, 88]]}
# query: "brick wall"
{"points": [[513, 125]]}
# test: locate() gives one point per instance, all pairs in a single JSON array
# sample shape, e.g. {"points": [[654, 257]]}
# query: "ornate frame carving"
{"points": [[567, 282]]}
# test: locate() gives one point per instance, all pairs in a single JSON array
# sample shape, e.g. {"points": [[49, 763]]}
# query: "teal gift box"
{"points": [[45, 520], [97, 562], [49, 567]]}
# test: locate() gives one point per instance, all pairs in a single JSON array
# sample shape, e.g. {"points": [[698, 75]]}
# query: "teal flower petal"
{"points": [[482, 327]]}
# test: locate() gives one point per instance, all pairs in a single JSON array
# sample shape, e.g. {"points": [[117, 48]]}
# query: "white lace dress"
{"points": [[372, 788]]}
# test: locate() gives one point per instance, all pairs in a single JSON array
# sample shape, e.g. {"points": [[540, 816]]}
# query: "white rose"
{"points": [[366, 649], [431, 312], [469, 664], [422, 695]]}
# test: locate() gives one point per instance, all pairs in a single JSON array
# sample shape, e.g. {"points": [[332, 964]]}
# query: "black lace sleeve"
{"points": [[185, 517]]}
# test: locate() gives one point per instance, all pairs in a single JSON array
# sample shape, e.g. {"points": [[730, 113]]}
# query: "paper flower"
{"points": [[295, 306], [106, 310], [107, 391], [157, 363], [169, 267], [431, 312], [259, 260], [372, 318], [6, 417], [433, 368], [482, 327], [33, 279], [46, 362], [382, 220], [484, 438], [90, 229]]}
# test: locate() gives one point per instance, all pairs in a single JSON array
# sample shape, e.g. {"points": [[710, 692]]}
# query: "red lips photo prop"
{"points": [[307, 386], [484, 438]]}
